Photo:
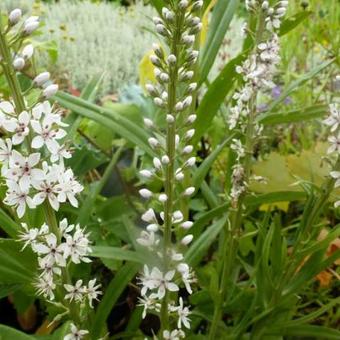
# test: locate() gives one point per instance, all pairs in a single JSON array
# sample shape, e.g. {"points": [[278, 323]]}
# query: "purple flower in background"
{"points": [[276, 93]]}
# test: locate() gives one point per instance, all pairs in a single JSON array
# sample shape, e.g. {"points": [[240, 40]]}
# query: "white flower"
{"points": [[28, 236], [149, 216], [53, 253], [92, 291], [77, 247], [48, 269], [148, 303], [47, 134], [45, 286], [147, 239], [75, 292], [335, 144], [162, 282], [76, 334], [5, 154], [68, 187], [7, 123], [50, 90], [21, 169], [187, 276], [21, 129], [336, 176], [176, 334], [334, 118], [18, 198], [183, 313]]}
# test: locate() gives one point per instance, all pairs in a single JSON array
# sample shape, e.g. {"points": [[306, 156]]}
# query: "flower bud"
{"points": [[164, 77], [179, 176], [152, 227], [187, 224], [158, 101], [151, 89], [195, 29], [165, 159], [179, 106], [14, 16], [160, 29], [145, 193], [197, 5], [27, 51], [265, 5], [188, 149], [177, 216], [164, 96], [157, 20], [50, 91], [41, 78], [155, 60], [153, 142], [191, 161], [188, 39], [149, 216], [183, 4], [30, 25], [283, 3], [190, 133], [187, 75], [146, 173], [19, 63], [187, 101], [171, 59], [281, 10], [192, 87], [170, 118], [187, 239], [162, 198], [148, 122], [189, 191], [158, 51], [157, 163], [191, 118]]}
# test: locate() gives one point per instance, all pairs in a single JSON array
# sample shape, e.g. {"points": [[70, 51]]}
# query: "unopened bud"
{"points": [[189, 191], [191, 118], [188, 149], [160, 29], [183, 4], [187, 224], [19, 63], [191, 161], [50, 90], [171, 59], [151, 89], [179, 176], [179, 106], [41, 78], [165, 160], [170, 118], [30, 25], [155, 60], [187, 239], [190, 133], [157, 163], [148, 122], [27, 51], [146, 173], [162, 198], [158, 101], [15, 16], [145, 193], [153, 142]]}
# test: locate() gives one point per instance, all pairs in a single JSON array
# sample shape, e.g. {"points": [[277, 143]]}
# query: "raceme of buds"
{"points": [[178, 25]]}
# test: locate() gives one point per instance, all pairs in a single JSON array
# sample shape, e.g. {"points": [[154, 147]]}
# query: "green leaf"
{"points": [[16, 266], [158, 4], [8, 225], [215, 95], [112, 293], [290, 23], [6, 289], [310, 331], [199, 247], [308, 113], [114, 253], [221, 18], [298, 82], [88, 205], [204, 168], [8, 333], [113, 118]]}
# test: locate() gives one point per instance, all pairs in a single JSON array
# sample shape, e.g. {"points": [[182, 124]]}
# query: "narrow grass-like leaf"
{"points": [[197, 250], [115, 253], [8, 225], [113, 118], [215, 96], [290, 23], [8, 333], [112, 294], [88, 205], [298, 82], [221, 18], [310, 331], [311, 112]]}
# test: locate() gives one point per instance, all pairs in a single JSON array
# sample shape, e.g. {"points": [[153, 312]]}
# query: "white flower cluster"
{"points": [[174, 159], [333, 121], [257, 72], [32, 151], [54, 254]]}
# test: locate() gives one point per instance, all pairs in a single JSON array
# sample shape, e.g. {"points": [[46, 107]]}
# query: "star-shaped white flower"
{"points": [[76, 334]]}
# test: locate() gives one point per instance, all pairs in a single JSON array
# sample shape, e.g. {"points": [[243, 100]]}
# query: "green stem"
{"points": [[170, 168], [230, 244]]}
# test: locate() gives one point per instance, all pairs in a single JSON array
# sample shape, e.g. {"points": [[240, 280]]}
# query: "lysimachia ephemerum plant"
{"points": [[32, 153], [257, 73], [167, 231]]}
